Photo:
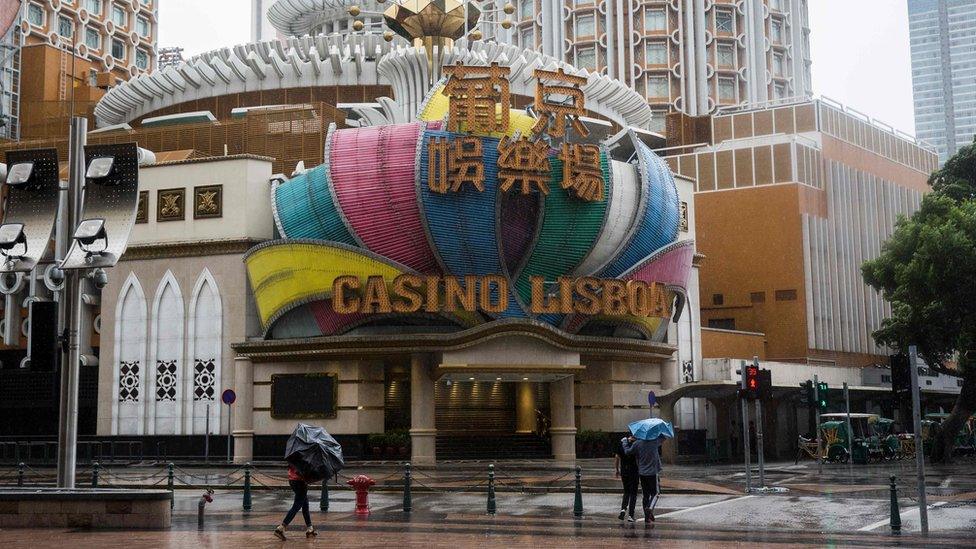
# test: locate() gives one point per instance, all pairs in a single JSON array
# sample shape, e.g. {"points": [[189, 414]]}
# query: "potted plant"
{"points": [[376, 442], [403, 439], [584, 442]]}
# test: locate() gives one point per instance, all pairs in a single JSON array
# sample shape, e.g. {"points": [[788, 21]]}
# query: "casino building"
{"points": [[293, 175]]}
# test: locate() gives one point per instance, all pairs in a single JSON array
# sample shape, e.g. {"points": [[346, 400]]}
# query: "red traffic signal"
{"points": [[751, 381]]}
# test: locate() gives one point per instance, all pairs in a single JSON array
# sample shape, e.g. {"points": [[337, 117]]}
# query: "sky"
{"points": [[860, 48]]}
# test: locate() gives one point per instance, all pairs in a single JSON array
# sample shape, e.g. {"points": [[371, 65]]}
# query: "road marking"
{"points": [[887, 521], [713, 504]]}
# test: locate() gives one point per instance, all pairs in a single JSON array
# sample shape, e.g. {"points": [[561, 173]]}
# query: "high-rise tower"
{"points": [[943, 36]]}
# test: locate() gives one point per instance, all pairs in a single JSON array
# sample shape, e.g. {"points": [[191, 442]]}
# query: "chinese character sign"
{"points": [[525, 163], [451, 164], [474, 93], [558, 99]]}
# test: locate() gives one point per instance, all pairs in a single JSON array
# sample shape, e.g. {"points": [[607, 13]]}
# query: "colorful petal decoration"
{"points": [[304, 208]]}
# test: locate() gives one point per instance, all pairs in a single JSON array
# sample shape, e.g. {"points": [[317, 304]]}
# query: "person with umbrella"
{"points": [[645, 441], [312, 455]]}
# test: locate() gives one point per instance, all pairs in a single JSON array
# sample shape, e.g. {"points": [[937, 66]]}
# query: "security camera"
{"points": [[99, 278], [56, 276]]}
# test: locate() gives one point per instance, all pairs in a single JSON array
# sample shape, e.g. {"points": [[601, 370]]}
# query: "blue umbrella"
{"points": [[651, 428]]}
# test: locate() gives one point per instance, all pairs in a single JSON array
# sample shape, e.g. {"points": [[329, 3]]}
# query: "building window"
{"points": [[724, 21], [718, 299], [655, 20], [118, 49], [780, 91], [585, 25], [785, 295], [528, 38], [586, 58], [142, 59], [142, 26], [757, 297], [658, 120], [657, 53], [527, 9], [92, 39], [726, 55], [721, 323], [726, 89], [66, 27], [657, 86], [94, 7], [776, 5], [119, 16], [93, 78], [776, 32], [35, 15], [779, 64]]}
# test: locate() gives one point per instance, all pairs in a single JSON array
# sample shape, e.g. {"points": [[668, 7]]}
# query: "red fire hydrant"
{"points": [[361, 484]]}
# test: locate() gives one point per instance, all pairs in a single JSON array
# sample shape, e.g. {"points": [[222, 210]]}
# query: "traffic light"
{"points": [[901, 376], [806, 393], [750, 381], [765, 384], [822, 390]]}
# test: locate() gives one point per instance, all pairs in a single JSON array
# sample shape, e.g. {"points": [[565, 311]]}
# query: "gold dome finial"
{"points": [[432, 23]]}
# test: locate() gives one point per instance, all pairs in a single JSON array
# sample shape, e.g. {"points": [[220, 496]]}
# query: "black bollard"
{"points": [[492, 507], [324, 502], [169, 484], [578, 500], [247, 487], [407, 502], [895, 514], [95, 467], [20, 474]]}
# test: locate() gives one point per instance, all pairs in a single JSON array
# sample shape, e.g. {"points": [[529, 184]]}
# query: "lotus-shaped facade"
{"points": [[369, 211]]}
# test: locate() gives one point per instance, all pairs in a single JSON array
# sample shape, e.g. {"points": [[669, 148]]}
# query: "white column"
{"points": [[423, 430], [562, 406], [243, 432]]}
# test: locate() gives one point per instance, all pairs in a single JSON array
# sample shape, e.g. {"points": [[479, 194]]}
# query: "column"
{"points": [[525, 408], [423, 431], [243, 430], [669, 451], [562, 405]]}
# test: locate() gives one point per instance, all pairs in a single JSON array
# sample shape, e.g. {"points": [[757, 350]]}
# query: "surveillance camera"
{"points": [[57, 276], [99, 278]]}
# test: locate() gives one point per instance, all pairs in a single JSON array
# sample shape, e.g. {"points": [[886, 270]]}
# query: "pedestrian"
{"points": [[626, 468], [300, 487], [648, 454]]}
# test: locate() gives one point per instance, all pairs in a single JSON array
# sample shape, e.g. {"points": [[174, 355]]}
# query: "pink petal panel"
{"points": [[372, 172]]}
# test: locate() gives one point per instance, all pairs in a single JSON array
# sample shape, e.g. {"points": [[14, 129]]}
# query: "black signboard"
{"points": [[304, 396]]}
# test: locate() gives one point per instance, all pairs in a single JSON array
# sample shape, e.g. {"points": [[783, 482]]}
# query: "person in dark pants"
{"points": [[648, 454], [626, 467], [300, 487]]}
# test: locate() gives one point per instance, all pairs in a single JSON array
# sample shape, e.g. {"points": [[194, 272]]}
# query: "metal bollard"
{"points": [[169, 484], [247, 486], [20, 473], [206, 498], [407, 501], [492, 507], [95, 468], [324, 502], [578, 501], [895, 514]]}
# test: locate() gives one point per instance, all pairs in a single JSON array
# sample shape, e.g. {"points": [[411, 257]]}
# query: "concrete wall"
{"points": [[726, 343]]}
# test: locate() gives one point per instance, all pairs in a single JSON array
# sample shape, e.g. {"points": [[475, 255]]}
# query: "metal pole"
{"points": [[759, 444], [206, 437], [230, 410], [816, 408], [745, 440], [850, 432], [69, 310], [923, 509]]}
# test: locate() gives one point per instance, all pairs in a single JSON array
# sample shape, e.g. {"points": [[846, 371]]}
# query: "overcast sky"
{"points": [[860, 47]]}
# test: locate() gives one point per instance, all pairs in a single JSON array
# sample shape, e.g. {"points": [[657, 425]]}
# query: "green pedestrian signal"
{"points": [[822, 390]]}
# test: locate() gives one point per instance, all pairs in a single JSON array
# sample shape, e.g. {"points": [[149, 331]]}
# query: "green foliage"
{"points": [[927, 268]]}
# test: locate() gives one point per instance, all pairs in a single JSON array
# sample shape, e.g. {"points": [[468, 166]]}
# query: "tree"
{"points": [[927, 270]]}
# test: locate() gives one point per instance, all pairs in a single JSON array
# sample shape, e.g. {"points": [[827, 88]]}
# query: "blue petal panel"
{"points": [[304, 208], [658, 218]]}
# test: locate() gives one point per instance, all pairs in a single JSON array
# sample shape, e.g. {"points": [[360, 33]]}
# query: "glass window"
{"points": [[119, 16], [657, 86], [723, 21], [776, 32], [528, 38], [779, 64], [726, 89], [35, 15], [93, 78], [657, 53], [94, 7], [726, 55], [776, 5], [585, 25], [655, 20], [586, 58], [118, 49], [780, 90], [142, 25], [142, 59], [66, 27], [92, 39], [527, 9], [658, 119]]}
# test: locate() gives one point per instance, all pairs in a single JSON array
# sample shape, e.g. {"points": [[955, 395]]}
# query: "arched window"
{"points": [[205, 344], [129, 371], [166, 395]]}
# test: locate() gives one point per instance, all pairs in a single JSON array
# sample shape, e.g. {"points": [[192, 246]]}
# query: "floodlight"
{"points": [[12, 234], [89, 232], [100, 168], [3, 172], [20, 174]]}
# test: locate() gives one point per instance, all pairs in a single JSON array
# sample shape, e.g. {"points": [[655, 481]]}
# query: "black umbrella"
{"points": [[314, 453]]}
